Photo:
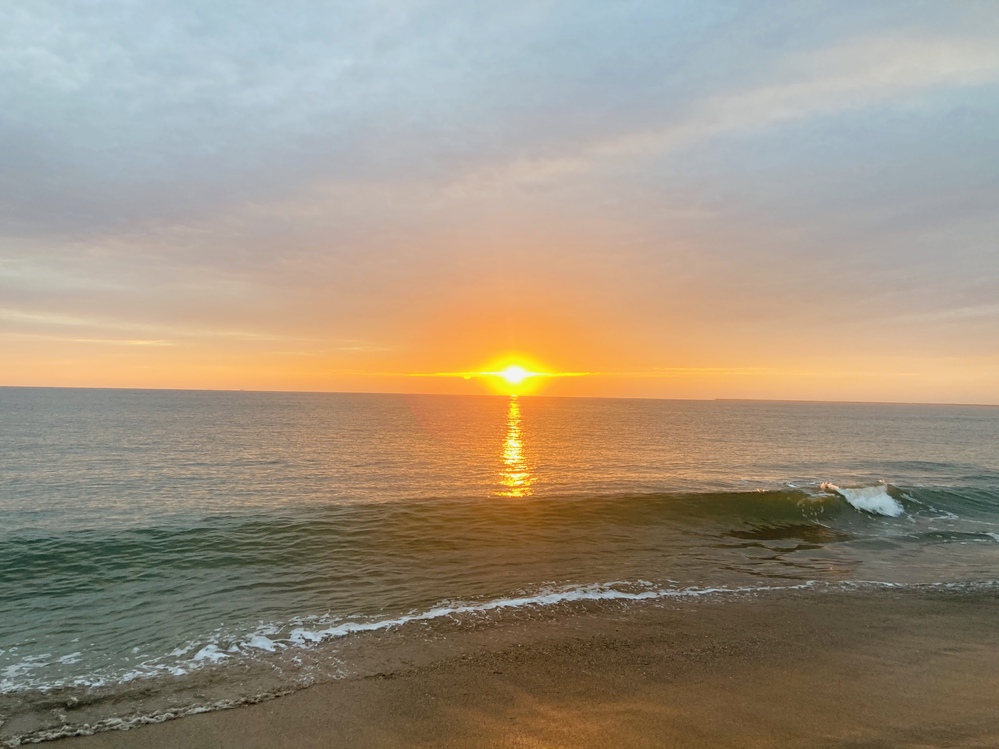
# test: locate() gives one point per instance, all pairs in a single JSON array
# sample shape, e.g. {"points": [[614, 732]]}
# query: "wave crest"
{"points": [[872, 499]]}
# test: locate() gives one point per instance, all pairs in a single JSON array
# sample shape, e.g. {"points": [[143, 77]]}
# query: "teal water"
{"points": [[150, 535]]}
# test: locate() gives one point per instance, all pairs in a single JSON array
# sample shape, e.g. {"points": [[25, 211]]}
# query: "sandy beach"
{"points": [[804, 669]]}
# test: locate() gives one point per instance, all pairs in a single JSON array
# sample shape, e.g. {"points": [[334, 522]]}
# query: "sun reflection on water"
{"points": [[515, 476]]}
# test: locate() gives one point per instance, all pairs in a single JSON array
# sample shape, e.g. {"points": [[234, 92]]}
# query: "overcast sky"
{"points": [[702, 199]]}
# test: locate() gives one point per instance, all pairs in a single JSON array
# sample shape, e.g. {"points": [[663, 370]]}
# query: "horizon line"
{"points": [[501, 395]]}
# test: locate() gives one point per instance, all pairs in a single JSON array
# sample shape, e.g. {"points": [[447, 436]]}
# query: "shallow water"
{"points": [[150, 534]]}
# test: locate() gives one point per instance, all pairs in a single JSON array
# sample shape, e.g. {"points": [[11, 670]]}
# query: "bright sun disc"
{"points": [[514, 374]]}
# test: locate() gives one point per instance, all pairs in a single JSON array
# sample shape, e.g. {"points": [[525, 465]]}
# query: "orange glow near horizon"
{"points": [[512, 375], [609, 371]]}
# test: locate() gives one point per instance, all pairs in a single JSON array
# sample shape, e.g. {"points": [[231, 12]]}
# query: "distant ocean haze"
{"points": [[151, 535]]}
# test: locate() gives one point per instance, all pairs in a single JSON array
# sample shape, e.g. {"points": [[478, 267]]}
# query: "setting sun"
{"points": [[515, 374], [508, 376]]}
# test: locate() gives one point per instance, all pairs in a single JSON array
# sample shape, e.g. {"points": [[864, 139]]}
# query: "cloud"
{"points": [[851, 75], [120, 115], [368, 177]]}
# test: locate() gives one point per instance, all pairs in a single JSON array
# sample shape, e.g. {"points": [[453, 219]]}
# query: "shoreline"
{"points": [[900, 668]]}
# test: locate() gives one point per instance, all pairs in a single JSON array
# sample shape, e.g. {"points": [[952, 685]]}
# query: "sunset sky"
{"points": [[677, 200]]}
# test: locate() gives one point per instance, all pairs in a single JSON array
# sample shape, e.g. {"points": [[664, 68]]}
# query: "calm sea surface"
{"points": [[157, 535]]}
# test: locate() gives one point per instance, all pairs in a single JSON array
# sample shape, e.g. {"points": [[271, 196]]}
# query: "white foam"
{"points": [[588, 592], [260, 642], [13, 674], [872, 499], [22, 676], [209, 654], [18, 677], [598, 592]]}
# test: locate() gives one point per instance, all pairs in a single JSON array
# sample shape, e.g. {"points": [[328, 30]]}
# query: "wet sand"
{"points": [[809, 669]]}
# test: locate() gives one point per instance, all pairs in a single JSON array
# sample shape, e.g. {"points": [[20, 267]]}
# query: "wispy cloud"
{"points": [[956, 315], [81, 340], [55, 320], [852, 75]]}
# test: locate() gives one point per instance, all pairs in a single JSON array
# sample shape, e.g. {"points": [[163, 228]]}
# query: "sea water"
{"points": [[190, 544]]}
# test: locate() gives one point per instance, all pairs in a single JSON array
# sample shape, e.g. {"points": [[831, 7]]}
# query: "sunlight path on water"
{"points": [[515, 477]]}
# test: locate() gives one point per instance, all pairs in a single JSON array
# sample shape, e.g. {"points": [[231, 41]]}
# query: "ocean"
{"points": [[169, 552]]}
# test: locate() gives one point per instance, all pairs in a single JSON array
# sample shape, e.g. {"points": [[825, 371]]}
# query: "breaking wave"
{"points": [[873, 499]]}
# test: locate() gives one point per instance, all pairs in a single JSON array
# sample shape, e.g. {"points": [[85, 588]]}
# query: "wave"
{"points": [[274, 637], [263, 644], [614, 591], [294, 634], [334, 537], [218, 580], [873, 499]]}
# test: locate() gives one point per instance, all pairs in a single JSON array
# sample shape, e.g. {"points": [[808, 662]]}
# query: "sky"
{"points": [[670, 199]]}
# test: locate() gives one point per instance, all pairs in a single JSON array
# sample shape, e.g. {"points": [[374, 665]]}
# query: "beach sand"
{"points": [[804, 669]]}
